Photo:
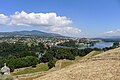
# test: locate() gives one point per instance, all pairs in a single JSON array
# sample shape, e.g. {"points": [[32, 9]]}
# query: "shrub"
{"points": [[11, 68], [71, 57], [51, 64]]}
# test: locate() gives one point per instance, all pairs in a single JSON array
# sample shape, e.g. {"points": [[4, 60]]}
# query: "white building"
{"points": [[5, 69]]}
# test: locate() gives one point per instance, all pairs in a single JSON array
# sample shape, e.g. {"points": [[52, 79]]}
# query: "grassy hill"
{"points": [[104, 66]]}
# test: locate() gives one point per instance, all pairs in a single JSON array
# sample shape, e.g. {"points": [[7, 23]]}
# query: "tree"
{"points": [[71, 43], [46, 57], [84, 52], [11, 68], [115, 44], [74, 51], [70, 57], [51, 64]]}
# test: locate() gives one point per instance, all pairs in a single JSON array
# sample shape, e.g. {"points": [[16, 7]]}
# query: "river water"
{"points": [[99, 45]]}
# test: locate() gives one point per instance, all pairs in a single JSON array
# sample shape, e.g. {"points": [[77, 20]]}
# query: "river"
{"points": [[99, 45]]}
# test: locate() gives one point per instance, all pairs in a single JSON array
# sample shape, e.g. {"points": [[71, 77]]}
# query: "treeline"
{"points": [[111, 40], [14, 62], [20, 55], [115, 45], [75, 44], [53, 54], [70, 43], [19, 47]]}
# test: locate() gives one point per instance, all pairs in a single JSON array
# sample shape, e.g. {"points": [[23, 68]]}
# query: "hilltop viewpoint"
{"points": [[104, 66]]}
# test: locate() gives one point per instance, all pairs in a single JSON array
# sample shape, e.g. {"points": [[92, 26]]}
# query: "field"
{"points": [[28, 70]]}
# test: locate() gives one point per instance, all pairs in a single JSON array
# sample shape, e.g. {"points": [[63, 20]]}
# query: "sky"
{"points": [[75, 18]]}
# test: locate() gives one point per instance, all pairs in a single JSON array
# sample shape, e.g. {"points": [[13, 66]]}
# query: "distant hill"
{"points": [[109, 38], [32, 33]]}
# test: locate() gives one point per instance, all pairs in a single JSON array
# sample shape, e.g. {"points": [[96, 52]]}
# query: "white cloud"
{"points": [[113, 33], [110, 32], [3, 19], [38, 19], [68, 31], [51, 21]]}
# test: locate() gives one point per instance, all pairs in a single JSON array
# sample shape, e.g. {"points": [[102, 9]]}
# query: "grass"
{"points": [[66, 63], [39, 67], [32, 77], [5, 77], [93, 53]]}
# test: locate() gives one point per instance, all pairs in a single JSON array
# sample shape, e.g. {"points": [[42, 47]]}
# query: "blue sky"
{"points": [[78, 18]]}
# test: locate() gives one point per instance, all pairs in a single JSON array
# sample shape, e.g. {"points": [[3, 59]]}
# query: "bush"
{"points": [[84, 52], [71, 57], [33, 66], [11, 68], [51, 64], [46, 58]]}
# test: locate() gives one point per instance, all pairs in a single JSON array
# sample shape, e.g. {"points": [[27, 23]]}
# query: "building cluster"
{"points": [[46, 41]]}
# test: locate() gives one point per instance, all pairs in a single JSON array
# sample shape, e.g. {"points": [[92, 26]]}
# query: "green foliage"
{"points": [[24, 54], [84, 52], [18, 55], [38, 68], [14, 63], [58, 53], [115, 44], [108, 48], [11, 67], [46, 58], [71, 43], [75, 51], [71, 57], [51, 64], [19, 47]]}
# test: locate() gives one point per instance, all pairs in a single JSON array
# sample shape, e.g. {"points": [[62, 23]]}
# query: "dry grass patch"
{"points": [[28, 70], [91, 54]]}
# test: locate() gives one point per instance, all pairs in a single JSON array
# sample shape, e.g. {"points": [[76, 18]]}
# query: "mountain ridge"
{"points": [[26, 33]]}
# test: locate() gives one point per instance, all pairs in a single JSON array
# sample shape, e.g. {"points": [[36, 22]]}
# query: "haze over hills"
{"points": [[29, 34], [109, 38], [37, 33], [113, 36]]}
